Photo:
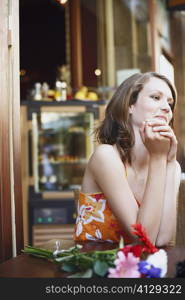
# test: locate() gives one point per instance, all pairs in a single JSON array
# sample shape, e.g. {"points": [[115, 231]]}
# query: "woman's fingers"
{"points": [[170, 135], [161, 128], [156, 122], [146, 131], [157, 129], [167, 134]]}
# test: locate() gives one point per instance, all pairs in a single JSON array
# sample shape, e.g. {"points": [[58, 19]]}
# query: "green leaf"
{"points": [[68, 268], [100, 268], [87, 274], [86, 264]]}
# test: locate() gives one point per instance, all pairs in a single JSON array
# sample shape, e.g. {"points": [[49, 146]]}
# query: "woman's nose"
{"points": [[165, 106]]}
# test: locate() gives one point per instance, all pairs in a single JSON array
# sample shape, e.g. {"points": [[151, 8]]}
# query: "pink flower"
{"points": [[126, 266]]}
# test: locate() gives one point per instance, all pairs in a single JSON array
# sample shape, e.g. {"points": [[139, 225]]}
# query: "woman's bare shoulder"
{"points": [[105, 156], [104, 152]]}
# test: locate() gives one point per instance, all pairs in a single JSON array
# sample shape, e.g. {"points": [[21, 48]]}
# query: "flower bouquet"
{"points": [[142, 260]]}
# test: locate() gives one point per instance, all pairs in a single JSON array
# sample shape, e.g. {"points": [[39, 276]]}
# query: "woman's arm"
{"points": [[150, 212], [109, 174], [167, 227]]}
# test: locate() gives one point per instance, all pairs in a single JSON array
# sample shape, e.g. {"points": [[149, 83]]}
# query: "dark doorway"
{"points": [[42, 42]]}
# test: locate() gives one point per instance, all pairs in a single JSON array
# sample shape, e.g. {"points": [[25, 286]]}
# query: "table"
{"points": [[26, 266]]}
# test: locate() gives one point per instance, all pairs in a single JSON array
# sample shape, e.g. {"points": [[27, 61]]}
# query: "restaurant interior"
{"points": [[73, 56]]}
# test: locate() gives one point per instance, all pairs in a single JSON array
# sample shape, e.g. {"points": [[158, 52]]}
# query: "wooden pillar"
{"points": [[178, 28], [153, 33], [16, 131], [109, 17], [11, 229], [101, 45], [5, 181], [178, 48], [75, 38]]}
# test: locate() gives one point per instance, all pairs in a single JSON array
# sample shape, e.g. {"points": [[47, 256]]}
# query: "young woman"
{"points": [[133, 176]]}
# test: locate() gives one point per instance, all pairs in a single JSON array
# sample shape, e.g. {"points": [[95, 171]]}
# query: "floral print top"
{"points": [[95, 220]]}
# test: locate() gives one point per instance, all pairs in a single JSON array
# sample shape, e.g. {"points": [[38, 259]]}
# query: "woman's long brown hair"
{"points": [[116, 128]]}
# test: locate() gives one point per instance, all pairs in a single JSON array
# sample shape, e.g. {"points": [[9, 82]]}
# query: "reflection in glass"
{"points": [[62, 145]]}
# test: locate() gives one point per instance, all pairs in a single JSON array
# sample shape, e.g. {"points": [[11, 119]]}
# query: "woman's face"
{"points": [[154, 101]]}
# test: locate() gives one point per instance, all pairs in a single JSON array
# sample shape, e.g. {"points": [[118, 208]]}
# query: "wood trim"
{"points": [[101, 37], [153, 33], [57, 195], [31, 179], [102, 109], [89, 33], [47, 233], [109, 17], [172, 3], [11, 237], [25, 169], [16, 132], [63, 109], [168, 55], [5, 178], [76, 44], [178, 29]]}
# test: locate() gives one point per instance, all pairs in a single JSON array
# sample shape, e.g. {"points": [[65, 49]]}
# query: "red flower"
{"points": [[136, 250], [140, 232], [98, 196]]}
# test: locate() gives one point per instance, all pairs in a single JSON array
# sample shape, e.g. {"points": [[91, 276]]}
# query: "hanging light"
{"points": [[62, 2], [97, 72]]}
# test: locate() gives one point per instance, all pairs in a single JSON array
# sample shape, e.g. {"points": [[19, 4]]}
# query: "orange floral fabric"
{"points": [[95, 220]]}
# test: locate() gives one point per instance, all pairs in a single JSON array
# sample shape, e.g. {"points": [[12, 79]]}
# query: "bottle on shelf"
{"points": [[60, 91], [37, 91], [45, 89]]}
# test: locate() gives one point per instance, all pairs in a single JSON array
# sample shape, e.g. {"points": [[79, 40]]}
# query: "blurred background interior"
{"points": [[73, 55]]}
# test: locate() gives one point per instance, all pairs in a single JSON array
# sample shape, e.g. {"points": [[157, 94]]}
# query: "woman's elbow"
{"points": [[163, 241]]}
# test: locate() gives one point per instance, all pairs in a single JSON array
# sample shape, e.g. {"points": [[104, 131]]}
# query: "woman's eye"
{"points": [[155, 97]]}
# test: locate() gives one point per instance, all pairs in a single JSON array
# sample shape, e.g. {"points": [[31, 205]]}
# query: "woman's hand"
{"points": [[155, 142], [162, 128]]}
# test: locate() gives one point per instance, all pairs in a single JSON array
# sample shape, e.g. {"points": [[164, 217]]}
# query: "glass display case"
{"points": [[57, 141], [62, 144]]}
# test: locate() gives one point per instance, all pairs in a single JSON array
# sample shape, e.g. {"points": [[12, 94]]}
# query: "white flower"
{"points": [[88, 213], [98, 234], [79, 228], [159, 260], [90, 237]]}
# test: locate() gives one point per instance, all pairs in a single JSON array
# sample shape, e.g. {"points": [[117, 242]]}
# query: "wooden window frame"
{"points": [[11, 221]]}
